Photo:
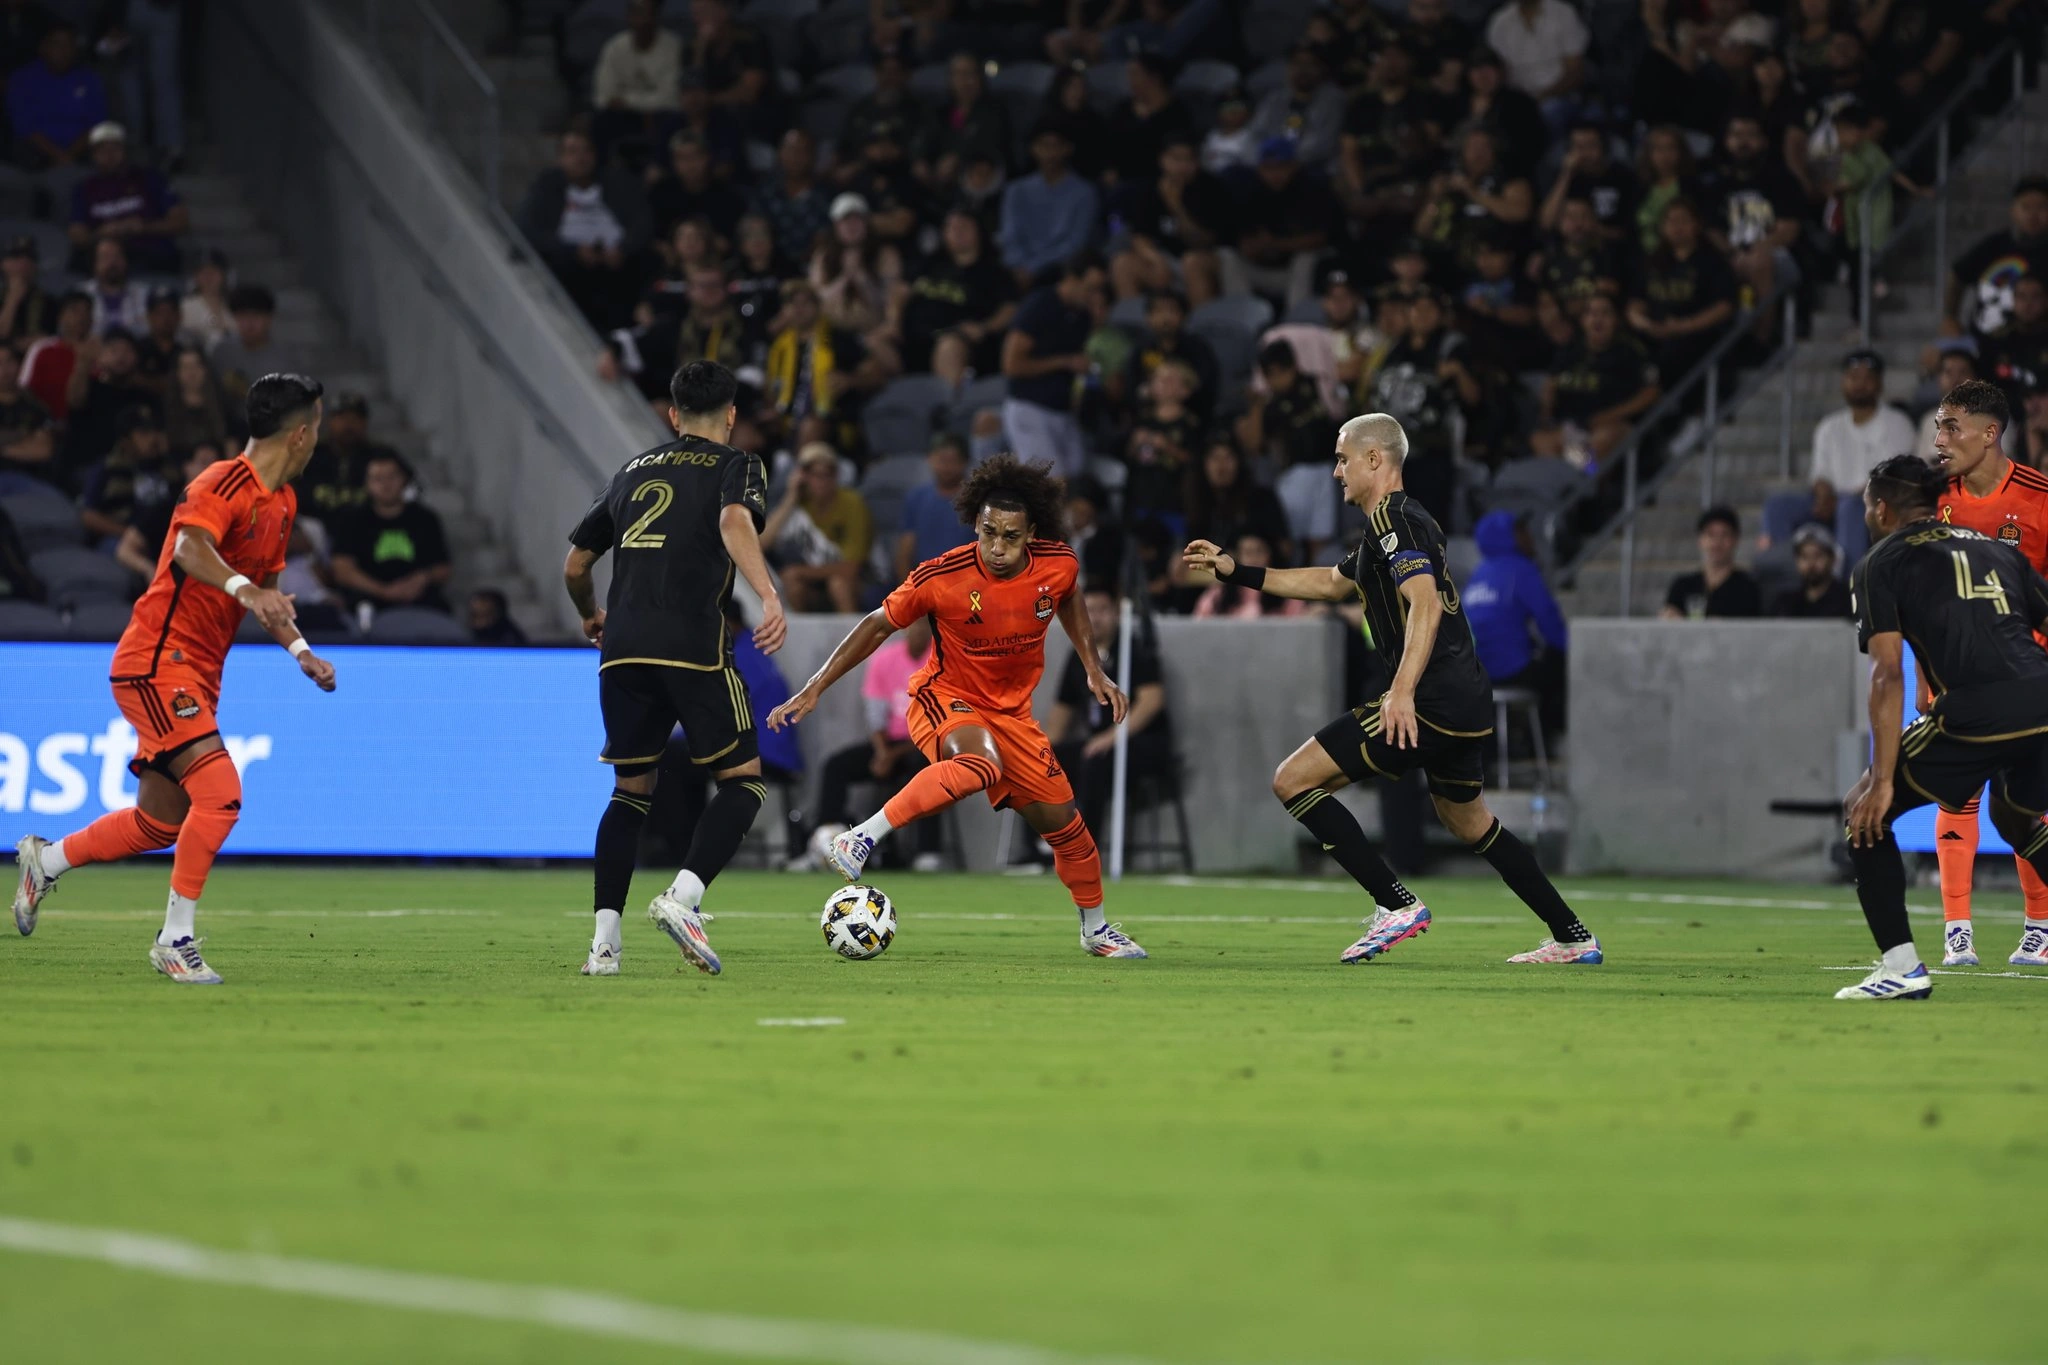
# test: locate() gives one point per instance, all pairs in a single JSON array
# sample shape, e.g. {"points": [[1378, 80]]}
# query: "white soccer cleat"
{"points": [[1385, 929], [848, 853], [182, 963], [686, 927], [2032, 952], [1885, 984], [1111, 941], [1585, 954], [34, 883], [603, 961], [1957, 947]]}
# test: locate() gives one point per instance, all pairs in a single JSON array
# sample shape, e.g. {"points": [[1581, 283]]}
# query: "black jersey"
{"points": [[1968, 606], [672, 579], [1403, 541]]}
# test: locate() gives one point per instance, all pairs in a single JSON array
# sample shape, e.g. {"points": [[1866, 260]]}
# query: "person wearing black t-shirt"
{"points": [[1167, 338], [1602, 382], [1140, 126], [1577, 265], [1685, 295], [2015, 357], [1591, 174], [1288, 424], [1719, 589], [1083, 735], [1821, 594], [889, 115], [136, 471], [1757, 210], [961, 287], [1285, 215], [690, 191], [1391, 132], [390, 551], [1175, 221], [142, 543], [1422, 384], [1480, 198], [28, 443], [1980, 286]]}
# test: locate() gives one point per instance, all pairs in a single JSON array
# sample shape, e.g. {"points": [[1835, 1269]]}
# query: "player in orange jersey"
{"points": [[990, 604], [1991, 495], [220, 560]]}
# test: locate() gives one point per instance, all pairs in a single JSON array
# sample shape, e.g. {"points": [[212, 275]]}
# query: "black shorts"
{"points": [[1936, 766], [1455, 762], [643, 704]]}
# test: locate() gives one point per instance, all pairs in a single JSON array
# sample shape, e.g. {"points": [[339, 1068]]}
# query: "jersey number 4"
{"points": [[1990, 590], [637, 536]]}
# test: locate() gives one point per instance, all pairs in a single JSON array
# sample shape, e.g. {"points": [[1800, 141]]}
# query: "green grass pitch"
{"points": [[1237, 1151]]}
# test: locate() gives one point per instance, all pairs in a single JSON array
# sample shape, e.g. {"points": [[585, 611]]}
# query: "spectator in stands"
{"points": [[1718, 588], [1043, 356], [2015, 357], [1231, 143], [1439, 41], [887, 114], [47, 369], [1981, 285], [156, 350], [821, 532], [1423, 383], [1142, 124], [1497, 309], [1307, 108], [1597, 388], [117, 300], [1756, 216], [490, 619], [152, 77], [1222, 499], [1164, 442], [717, 128], [1821, 594], [796, 203], [1392, 133], [193, 410], [53, 103], [1478, 198], [591, 225], [1917, 48], [138, 468], [142, 541], [18, 581], [881, 176], [390, 551], [709, 328], [1050, 216], [961, 289], [336, 481], [813, 370], [1513, 117], [635, 86], [886, 757], [2035, 427], [690, 190], [1286, 421], [1174, 221], [1850, 442], [206, 317], [1848, 82], [1665, 171], [1081, 728], [856, 274], [755, 278], [1543, 44], [1167, 338], [931, 525], [252, 350], [26, 312], [1685, 296], [1285, 218], [973, 124], [132, 204], [1516, 625], [736, 66], [1589, 173], [23, 26], [28, 444], [1070, 107], [1576, 266], [1353, 337], [106, 384]]}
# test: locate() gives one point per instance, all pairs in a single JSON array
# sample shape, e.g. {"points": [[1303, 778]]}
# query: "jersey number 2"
{"points": [[1990, 590], [637, 536]]}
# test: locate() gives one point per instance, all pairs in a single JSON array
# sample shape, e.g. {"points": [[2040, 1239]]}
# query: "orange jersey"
{"points": [[988, 633], [2017, 513], [186, 627]]}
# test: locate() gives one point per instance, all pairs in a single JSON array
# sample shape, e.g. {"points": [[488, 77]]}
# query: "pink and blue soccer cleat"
{"points": [[1585, 954], [1385, 929]]}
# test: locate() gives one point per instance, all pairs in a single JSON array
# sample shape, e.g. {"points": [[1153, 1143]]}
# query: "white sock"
{"points": [[1092, 918], [607, 935], [52, 860], [1902, 959], [687, 889], [874, 828], [178, 917]]}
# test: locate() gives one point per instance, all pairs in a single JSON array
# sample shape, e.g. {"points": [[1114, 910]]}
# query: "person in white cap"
{"points": [[131, 204]]}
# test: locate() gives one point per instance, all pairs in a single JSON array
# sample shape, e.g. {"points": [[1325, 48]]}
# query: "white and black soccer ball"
{"points": [[858, 922]]}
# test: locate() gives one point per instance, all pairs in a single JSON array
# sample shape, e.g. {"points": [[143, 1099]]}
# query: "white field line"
{"points": [[822, 1021], [1950, 971], [569, 1310]]}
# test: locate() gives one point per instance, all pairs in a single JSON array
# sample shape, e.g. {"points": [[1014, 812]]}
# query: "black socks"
{"points": [[726, 820], [1338, 832], [618, 847], [1517, 866]]}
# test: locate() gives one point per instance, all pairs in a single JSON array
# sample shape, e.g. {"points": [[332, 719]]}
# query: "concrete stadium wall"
{"points": [[1684, 732], [1242, 695], [462, 319]]}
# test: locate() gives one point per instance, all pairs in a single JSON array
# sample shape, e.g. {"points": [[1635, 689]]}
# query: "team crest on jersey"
{"points": [[1042, 608], [973, 608], [183, 707], [962, 707], [2010, 533]]}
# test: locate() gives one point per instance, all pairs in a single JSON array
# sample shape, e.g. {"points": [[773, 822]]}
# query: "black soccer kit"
{"points": [[667, 655], [1453, 699]]}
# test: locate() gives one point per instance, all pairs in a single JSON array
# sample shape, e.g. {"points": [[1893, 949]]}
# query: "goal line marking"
{"points": [[570, 1310], [1951, 971]]}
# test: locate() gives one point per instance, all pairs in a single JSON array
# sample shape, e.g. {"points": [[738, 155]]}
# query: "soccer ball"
{"points": [[858, 922]]}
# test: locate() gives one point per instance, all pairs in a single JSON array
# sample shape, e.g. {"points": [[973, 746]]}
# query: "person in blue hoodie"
{"points": [[1515, 621]]}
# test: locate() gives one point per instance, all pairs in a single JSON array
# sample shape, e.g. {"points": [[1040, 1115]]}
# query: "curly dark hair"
{"points": [[1007, 484]]}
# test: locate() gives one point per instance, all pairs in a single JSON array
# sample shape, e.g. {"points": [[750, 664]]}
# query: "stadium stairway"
{"points": [[222, 219], [1747, 466]]}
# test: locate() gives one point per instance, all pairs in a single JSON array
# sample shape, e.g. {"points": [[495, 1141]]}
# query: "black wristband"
{"points": [[1251, 576]]}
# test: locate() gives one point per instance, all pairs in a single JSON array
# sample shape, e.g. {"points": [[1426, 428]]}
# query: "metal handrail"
{"points": [[1937, 127], [436, 29]]}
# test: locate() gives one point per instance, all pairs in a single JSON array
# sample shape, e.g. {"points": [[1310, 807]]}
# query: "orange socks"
{"points": [[1079, 866], [216, 791], [939, 786], [117, 835], [2036, 892], [1955, 849]]}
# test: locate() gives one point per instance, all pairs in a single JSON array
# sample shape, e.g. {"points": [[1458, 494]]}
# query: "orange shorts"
{"points": [[1030, 773], [170, 713]]}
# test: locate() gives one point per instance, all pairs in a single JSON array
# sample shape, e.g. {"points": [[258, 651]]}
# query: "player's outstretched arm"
{"points": [[743, 543], [1074, 620], [863, 640], [1307, 585], [310, 664], [579, 577]]}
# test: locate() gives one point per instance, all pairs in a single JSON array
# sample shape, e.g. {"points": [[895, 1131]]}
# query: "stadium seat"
{"points": [[989, 391], [74, 574], [1129, 314], [1022, 87], [416, 626], [53, 248], [855, 81], [98, 621], [1108, 86], [824, 120], [901, 418], [585, 32], [29, 621], [1783, 514], [839, 35], [932, 84], [1232, 337], [1776, 571], [17, 192], [885, 485], [1307, 313], [1248, 311], [1509, 702], [1266, 79], [1205, 79], [44, 518]]}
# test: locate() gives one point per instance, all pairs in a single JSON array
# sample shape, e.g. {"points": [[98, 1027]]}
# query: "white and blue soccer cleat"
{"points": [[1958, 949], [182, 963], [1384, 930], [2032, 952], [603, 961], [1111, 941], [34, 884], [848, 853], [1885, 984], [686, 928], [1585, 954]]}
